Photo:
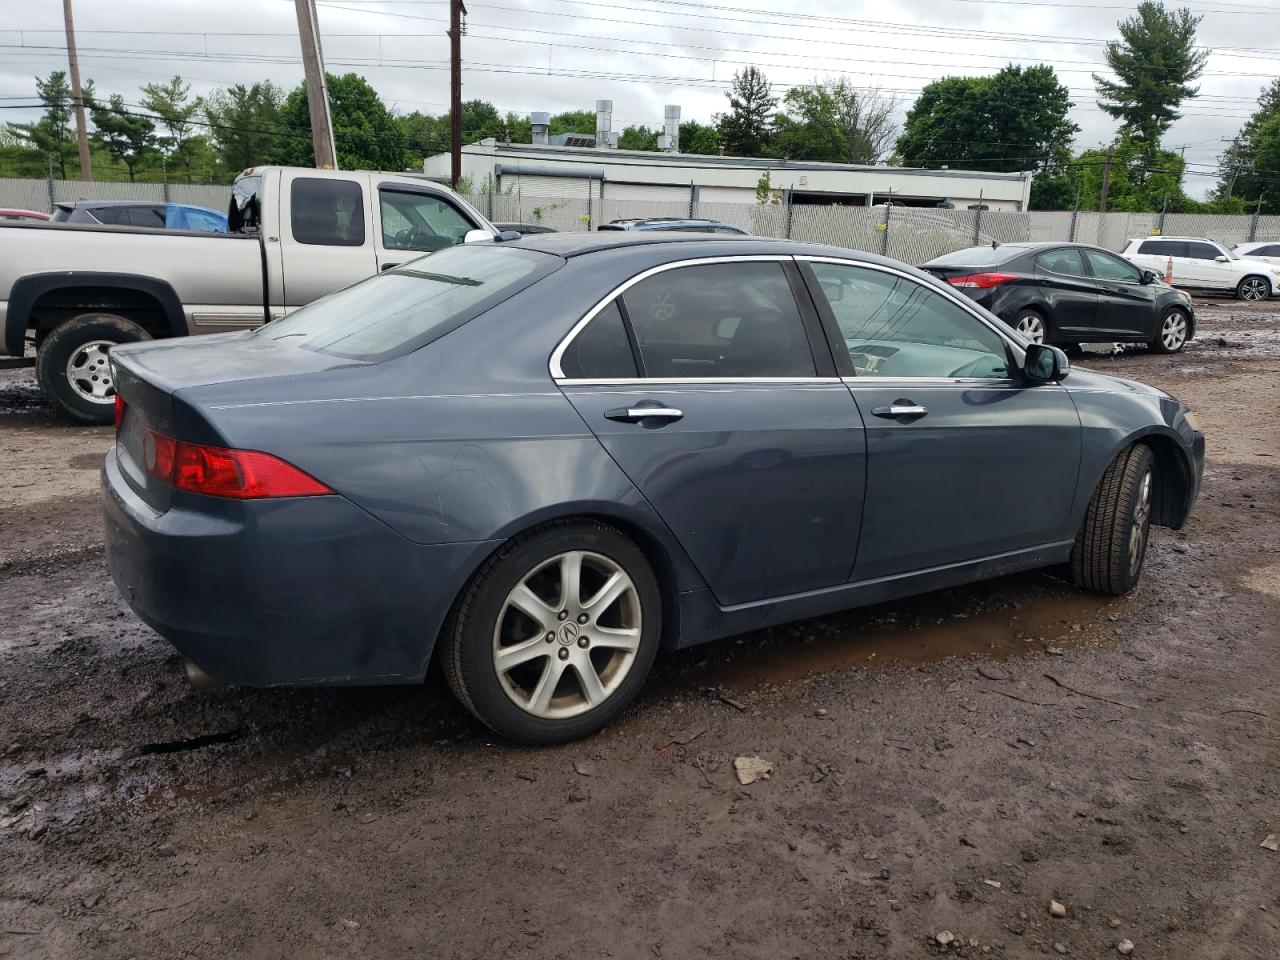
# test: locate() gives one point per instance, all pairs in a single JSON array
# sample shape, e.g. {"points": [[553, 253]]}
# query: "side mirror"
{"points": [[1045, 364], [476, 236], [1148, 277], [1220, 258]]}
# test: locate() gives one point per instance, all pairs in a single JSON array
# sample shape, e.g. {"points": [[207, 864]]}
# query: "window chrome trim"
{"points": [[659, 382], [964, 303], [557, 372]]}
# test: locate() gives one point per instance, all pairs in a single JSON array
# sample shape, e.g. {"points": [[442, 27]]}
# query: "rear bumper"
{"points": [[309, 590]]}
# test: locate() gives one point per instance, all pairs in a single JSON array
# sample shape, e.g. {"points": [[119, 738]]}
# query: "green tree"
{"points": [[177, 109], [366, 134], [127, 136], [1138, 184], [1014, 120], [745, 130], [699, 138], [573, 121], [638, 138], [1250, 167], [244, 123], [53, 135], [833, 122], [1156, 61]]}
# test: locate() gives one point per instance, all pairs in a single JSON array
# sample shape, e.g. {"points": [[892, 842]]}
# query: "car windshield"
{"points": [[976, 257], [399, 311]]}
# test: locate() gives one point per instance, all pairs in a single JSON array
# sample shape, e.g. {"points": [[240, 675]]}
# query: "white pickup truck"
{"points": [[76, 290]]}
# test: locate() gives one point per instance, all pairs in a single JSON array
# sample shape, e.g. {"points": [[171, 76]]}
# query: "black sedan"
{"points": [[1070, 293]]}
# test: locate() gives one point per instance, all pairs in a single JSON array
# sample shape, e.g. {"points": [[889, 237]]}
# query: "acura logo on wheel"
{"points": [[568, 633]]}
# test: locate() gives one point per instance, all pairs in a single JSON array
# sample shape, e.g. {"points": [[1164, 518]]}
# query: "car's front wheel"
{"points": [[1112, 544], [1172, 335], [1253, 288], [1032, 325], [555, 634]]}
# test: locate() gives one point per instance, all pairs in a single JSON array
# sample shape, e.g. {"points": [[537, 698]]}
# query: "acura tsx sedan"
{"points": [[543, 461]]}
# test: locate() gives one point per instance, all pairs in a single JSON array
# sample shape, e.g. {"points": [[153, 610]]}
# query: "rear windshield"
{"points": [[398, 311], [977, 256]]}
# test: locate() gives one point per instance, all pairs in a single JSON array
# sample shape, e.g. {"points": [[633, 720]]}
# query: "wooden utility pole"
{"points": [[317, 88], [456, 12], [1106, 180], [77, 96]]}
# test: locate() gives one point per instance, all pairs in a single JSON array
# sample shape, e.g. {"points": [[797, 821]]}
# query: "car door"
{"points": [[711, 386], [964, 460], [324, 241], [1205, 270], [414, 221], [1126, 305], [1068, 289]]}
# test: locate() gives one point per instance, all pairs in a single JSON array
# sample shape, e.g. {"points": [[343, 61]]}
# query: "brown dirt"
{"points": [[1119, 756]]}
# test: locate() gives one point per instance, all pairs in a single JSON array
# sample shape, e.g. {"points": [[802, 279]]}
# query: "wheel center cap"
{"points": [[568, 634]]}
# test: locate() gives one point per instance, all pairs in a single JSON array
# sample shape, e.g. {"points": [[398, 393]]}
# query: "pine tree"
{"points": [[746, 129]]}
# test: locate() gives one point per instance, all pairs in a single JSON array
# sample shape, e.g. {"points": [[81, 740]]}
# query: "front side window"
{"points": [[1065, 261], [719, 320], [402, 309], [1108, 267], [896, 327], [327, 212], [415, 221], [1203, 251]]}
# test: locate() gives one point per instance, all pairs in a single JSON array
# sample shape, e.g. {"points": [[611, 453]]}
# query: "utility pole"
{"points": [[317, 88], [1106, 181], [77, 97], [456, 12]]}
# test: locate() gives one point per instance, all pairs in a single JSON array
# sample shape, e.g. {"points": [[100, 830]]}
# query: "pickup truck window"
{"points": [[399, 311], [327, 212], [418, 221]]}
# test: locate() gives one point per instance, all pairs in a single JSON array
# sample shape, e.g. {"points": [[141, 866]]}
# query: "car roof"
{"points": [[114, 203], [583, 242]]}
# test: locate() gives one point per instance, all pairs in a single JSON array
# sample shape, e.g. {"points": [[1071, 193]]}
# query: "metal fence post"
{"points": [[1075, 218], [166, 189], [52, 207], [884, 235], [1253, 221], [977, 225], [788, 201]]}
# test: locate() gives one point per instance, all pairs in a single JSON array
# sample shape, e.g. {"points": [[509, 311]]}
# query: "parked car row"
{"points": [[1197, 263]]}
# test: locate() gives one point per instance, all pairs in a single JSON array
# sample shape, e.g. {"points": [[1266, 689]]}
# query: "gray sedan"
{"points": [[543, 461]]}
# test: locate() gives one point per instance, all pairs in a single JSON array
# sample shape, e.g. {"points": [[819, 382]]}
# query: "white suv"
{"points": [[1202, 264], [1269, 252]]}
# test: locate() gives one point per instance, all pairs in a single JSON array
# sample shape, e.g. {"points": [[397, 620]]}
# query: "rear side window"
{"points": [[400, 310], [602, 351], [1066, 261], [719, 320], [1163, 248], [327, 212], [152, 217]]}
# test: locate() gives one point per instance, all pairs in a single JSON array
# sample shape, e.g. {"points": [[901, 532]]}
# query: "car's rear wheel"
{"points": [[1253, 288], [1172, 335], [1033, 326], [72, 367], [555, 634], [1112, 544]]}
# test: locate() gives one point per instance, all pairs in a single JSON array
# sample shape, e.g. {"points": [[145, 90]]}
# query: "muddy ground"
{"points": [[948, 763]]}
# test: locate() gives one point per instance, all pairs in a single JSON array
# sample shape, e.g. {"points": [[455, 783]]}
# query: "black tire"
{"points": [[1163, 332], [1254, 288], [1031, 315], [468, 646], [1104, 557], [71, 339]]}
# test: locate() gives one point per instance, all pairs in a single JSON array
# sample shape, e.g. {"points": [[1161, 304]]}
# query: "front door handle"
{"points": [[900, 408], [638, 414]]}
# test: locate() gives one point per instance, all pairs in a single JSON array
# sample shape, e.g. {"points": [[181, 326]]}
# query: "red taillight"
{"points": [[119, 411], [982, 281], [219, 472]]}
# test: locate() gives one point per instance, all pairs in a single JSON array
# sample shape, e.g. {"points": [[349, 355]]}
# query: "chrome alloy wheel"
{"points": [[1173, 332], [89, 372], [1031, 326], [567, 635], [1253, 288], [1141, 526]]}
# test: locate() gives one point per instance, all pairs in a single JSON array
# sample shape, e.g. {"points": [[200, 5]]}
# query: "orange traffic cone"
{"points": [[1168, 272]]}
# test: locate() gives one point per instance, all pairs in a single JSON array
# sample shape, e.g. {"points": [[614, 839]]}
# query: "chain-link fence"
{"points": [[911, 234]]}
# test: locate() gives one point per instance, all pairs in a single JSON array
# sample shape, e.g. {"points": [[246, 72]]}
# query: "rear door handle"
{"points": [[639, 413], [900, 408]]}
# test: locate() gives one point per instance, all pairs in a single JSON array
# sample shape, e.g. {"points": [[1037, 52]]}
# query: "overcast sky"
{"points": [[564, 54]]}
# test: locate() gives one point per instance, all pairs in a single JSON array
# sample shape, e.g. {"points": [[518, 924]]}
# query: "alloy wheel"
{"points": [[1140, 527], [1031, 326], [1173, 332], [89, 372], [567, 635], [1253, 288]]}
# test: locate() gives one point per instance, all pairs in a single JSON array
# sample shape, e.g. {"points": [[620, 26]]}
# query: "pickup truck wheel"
{"points": [[72, 368]]}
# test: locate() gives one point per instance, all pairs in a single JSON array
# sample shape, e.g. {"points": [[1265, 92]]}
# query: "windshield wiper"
{"points": [[442, 278]]}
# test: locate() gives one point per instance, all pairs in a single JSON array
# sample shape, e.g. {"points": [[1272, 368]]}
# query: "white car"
{"points": [[1201, 264], [1269, 252]]}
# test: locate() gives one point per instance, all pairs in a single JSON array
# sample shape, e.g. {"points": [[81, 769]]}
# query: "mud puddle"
{"points": [[1018, 615]]}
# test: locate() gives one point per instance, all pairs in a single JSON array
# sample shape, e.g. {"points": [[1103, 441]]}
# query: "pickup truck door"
{"points": [[414, 220], [325, 235]]}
